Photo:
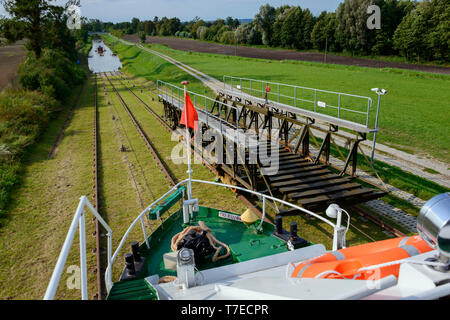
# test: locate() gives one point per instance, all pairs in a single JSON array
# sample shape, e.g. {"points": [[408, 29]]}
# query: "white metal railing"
{"points": [[202, 103], [79, 220], [261, 196], [316, 100]]}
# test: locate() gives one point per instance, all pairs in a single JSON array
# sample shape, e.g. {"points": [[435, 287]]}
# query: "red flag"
{"points": [[192, 117]]}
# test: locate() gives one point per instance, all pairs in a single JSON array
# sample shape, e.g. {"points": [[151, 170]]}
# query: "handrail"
{"points": [[173, 93], [79, 220], [258, 87], [139, 217], [260, 195]]}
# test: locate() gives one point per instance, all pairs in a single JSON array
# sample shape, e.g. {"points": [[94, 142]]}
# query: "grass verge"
{"points": [[403, 120]]}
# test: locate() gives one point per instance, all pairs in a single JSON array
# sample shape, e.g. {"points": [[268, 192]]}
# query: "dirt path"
{"points": [[249, 52], [10, 58]]}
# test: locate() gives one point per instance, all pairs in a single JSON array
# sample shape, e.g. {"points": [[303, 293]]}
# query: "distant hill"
{"points": [[242, 21]]}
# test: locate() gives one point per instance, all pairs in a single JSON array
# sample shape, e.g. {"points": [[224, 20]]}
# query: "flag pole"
{"points": [[188, 142]]}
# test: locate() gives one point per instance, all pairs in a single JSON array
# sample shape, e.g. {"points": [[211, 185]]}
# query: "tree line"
{"points": [[47, 78], [416, 30]]}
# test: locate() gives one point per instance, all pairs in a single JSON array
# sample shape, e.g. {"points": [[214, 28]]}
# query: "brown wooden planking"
{"points": [[303, 181], [302, 169], [289, 156], [278, 158], [299, 175], [335, 196], [314, 185], [326, 190], [288, 166], [253, 147], [284, 151], [350, 201], [290, 161], [282, 158]]}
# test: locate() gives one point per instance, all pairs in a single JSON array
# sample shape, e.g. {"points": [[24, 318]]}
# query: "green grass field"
{"points": [[311, 229], [43, 204], [414, 115], [145, 65]]}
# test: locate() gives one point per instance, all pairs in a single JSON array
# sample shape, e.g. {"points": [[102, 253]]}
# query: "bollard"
{"points": [[129, 263], [293, 230], [279, 224], [135, 250]]}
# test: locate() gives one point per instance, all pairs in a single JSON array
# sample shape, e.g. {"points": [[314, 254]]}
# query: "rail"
{"points": [[79, 220], [349, 107], [203, 104], [261, 196]]}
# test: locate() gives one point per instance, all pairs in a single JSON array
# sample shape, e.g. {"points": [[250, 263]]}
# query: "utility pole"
{"points": [[379, 92], [326, 49]]}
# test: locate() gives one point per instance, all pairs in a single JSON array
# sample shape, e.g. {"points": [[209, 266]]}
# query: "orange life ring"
{"points": [[346, 263]]}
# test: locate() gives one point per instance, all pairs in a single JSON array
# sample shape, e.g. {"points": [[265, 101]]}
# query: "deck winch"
{"points": [[198, 243], [201, 241]]}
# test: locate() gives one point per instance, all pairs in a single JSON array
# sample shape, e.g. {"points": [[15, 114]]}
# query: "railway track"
{"points": [[213, 170], [359, 210], [125, 140], [144, 137], [99, 271]]}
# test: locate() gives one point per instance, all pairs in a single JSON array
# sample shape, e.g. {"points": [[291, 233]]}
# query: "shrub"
{"points": [[8, 178], [228, 37], [52, 74], [202, 32], [23, 116]]}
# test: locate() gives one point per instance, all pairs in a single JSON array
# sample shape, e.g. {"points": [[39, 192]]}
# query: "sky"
{"points": [[125, 10]]}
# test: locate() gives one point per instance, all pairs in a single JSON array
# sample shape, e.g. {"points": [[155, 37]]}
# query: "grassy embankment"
{"points": [[141, 68], [422, 188], [403, 122], [218, 197], [43, 203], [391, 58], [413, 115], [41, 191]]}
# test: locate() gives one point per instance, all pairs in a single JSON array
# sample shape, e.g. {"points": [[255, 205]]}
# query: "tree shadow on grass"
{"points": [[39, 151]]}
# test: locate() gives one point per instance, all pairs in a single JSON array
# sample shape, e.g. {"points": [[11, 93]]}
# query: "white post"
{"points": [[372, 157], [263, 213], [83, 263], [336, 230], [56, 276], [380, 92], [109, 276], [145, 233], [188, 143]]}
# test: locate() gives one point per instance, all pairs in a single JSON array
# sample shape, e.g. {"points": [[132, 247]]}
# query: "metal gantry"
{"points": [[293, 146]]}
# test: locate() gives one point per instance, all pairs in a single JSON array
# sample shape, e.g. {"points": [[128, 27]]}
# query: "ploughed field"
{"points": [[276, 54], [10, 58]]}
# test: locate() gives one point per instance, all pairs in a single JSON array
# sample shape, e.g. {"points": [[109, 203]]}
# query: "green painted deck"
{"points": [[132, 290], [244, 242]]}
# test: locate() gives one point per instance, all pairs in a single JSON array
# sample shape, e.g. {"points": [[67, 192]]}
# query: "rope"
{"points": [[167, 279], [176, 239]]}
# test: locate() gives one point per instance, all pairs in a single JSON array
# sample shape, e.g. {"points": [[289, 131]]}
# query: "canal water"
{"points": [[106, 63]]}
